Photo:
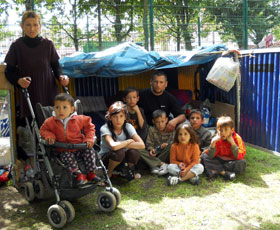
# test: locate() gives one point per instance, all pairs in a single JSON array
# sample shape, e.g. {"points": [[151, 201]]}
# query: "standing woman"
{"points": [[32, 62]]}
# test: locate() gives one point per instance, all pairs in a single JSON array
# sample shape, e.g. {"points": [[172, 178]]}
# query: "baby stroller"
{"points": [[51, 177]]}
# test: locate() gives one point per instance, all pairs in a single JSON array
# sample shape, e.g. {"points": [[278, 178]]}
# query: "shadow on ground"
{"points": [[16, 213]]}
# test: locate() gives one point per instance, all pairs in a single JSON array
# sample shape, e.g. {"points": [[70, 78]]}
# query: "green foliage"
{"points": [[75, 22], [227, 15], [68, 18], [177, 19], [121, 15]]}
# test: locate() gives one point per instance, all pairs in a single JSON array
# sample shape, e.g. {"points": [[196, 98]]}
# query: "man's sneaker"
{"points": [[155, 170], [93, 178], [172, 180], [229, 175], [194, 180], [81, 179], [163, 170]]}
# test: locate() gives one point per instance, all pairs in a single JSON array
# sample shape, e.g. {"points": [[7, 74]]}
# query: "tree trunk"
{"points": [[118, 25], [178, 32], [75, 30], [187, 38], [28, 5], [185, 20]]}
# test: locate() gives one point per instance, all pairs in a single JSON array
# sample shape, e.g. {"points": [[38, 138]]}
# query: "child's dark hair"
{"points": [[114, 109], [225, 121], [197, 112], [158, 113], [129, 90], [193, 138], [65, 97]]}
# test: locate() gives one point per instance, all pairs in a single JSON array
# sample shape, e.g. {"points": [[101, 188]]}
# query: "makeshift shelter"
{"points": [[108, 72]]}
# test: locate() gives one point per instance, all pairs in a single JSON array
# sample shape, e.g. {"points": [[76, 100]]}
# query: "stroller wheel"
{"points": [[117, 195], [38, 189], [57, 216], [69, 210], [106, 201], [29, 193]]}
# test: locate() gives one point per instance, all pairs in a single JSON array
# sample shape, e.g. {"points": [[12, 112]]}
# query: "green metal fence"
{"points": [[161, 25]]}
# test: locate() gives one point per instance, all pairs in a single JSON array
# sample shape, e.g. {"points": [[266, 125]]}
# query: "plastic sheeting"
{"points": [[128, 59]]}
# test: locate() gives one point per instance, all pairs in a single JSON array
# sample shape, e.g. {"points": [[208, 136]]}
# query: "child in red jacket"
{"points": [[66, 126], [226, 153]]}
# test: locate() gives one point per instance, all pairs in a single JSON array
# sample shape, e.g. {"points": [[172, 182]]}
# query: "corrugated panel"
{"points": [[260, 100], [186, 78], [140, 81], [96, 86], [226, 97]]}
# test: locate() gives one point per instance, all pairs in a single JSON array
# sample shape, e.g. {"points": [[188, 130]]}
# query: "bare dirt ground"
{"points": [[11, 203]]}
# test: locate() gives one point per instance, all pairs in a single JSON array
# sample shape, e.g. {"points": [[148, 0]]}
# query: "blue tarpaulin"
{"points": [[129, 59]]}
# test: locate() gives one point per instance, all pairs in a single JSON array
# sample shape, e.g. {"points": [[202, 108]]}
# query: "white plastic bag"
{"points": [[224, 73]]}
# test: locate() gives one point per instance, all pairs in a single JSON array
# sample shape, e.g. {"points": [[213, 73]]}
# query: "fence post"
{"points": [[99, 27], [152, 24], [87, 36], [145, 24], [198, 29], [245, 24]]}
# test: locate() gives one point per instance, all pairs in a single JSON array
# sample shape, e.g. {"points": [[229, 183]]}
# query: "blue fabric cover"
{"points": [[128, 59]]}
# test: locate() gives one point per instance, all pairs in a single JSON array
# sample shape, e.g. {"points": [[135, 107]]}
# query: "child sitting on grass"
{"points": [[119, 141], [158, 144], [185, 157], [66, 126], [226, 153], [204, 135]]}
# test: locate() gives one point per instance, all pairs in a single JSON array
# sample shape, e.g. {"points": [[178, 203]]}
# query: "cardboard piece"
{"points": [[219, 109], [4, 83]]}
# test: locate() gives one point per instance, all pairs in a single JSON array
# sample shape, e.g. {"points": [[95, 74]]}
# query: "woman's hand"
{"points": [[24, 82], [64, 80]]}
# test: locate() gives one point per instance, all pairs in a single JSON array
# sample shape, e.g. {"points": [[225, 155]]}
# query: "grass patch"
{"points": [[252, 201]]}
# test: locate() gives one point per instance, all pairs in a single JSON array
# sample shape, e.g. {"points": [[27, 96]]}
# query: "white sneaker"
{"points": [[155, 170], [163, 170], [172, 180]]}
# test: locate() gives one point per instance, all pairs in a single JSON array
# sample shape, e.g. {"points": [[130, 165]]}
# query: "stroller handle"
{"points": [[64, 145]]}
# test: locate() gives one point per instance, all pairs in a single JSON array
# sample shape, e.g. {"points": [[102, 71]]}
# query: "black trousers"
{"points": [[219, 165]]}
